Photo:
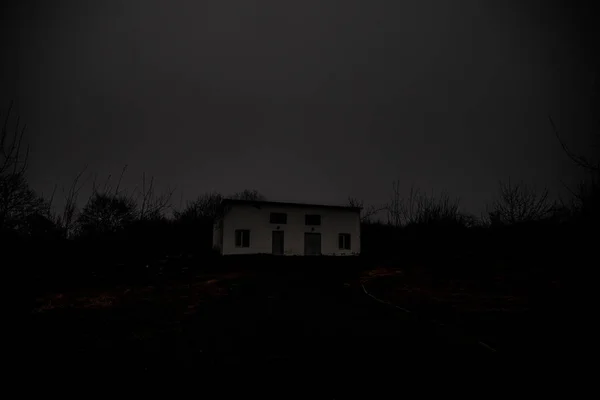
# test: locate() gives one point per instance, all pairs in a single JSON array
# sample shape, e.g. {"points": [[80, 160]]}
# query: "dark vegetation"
{"points": [[425, 253]]}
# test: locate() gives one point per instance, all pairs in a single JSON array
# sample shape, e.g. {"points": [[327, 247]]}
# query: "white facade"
{"points": [[248, 227]]}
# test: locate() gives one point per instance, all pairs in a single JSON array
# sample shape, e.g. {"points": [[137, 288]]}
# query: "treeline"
{"points": [[109, 215], [112, 228], [115, 227], [520, 223]]}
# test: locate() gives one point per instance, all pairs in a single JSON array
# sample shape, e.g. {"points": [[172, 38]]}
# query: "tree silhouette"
{"points": [[13, 160], [247, 194], [151, 205], [518, 203], [204, 207], [585, 203], [106, 213], [17, 200], [65, 220], [586, 163], [366, 213], [420, 208], [194, 224]]}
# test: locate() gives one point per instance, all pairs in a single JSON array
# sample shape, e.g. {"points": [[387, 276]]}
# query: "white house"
{"points": [[266, 227]]}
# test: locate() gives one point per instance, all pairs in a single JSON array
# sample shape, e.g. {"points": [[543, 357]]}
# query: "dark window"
{"points": [[344, 241], [242, 238], [312, 219], [278, 218]]}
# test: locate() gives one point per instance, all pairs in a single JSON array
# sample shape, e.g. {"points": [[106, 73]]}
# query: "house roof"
{"points": [[259, 203]]}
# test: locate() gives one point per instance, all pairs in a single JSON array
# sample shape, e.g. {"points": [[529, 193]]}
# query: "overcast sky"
{"points": [[310, 101]]}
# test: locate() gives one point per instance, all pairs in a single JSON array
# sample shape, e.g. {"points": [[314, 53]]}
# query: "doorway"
{"points": [[312, 244], [277, 242]]}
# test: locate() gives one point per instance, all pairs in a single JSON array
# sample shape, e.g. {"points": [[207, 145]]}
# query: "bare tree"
{"points": [[410, 208], [579, 160], [13, 160], [395, 207], [437, 209], [583, 205], [106, 213], [65, 220], [586, 196], [151, 205], [246, 194], [518, 203], [204, 207], [366, 213], [421, 208], [17, 200]]}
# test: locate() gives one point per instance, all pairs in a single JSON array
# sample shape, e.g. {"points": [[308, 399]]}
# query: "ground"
{"points": [[197, 320], [314, 317], [516, 313]]}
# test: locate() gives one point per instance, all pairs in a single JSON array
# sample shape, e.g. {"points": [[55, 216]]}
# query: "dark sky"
{"points": [[303, 100]]}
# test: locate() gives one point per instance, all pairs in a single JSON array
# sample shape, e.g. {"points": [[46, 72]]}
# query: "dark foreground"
{"points": [[283, 319]]}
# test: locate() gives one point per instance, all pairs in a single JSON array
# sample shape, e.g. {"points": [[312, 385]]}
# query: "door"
{"points": [[312, 244], [277, 242]]}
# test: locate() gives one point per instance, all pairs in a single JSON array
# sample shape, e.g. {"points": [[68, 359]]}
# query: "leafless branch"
{"points": [[580, 161], [94, 185], [106, 184], [366, 212], [67, 219], [395, 207], [51, 200], [518, 203], [204, 207], [120, 179], [11, 155], [421, 208], [247, 194], [151, 205]]}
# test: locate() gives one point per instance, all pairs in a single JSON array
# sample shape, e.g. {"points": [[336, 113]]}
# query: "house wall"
{"points": [[218, 235], [257, 220]]}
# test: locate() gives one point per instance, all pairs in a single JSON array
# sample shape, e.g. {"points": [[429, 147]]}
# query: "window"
{"points": [[344, 241], [242, 238], [312, 219], [278, 218]]}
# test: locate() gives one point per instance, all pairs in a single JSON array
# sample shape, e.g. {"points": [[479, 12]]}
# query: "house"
{"points": [[267, 227]]}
